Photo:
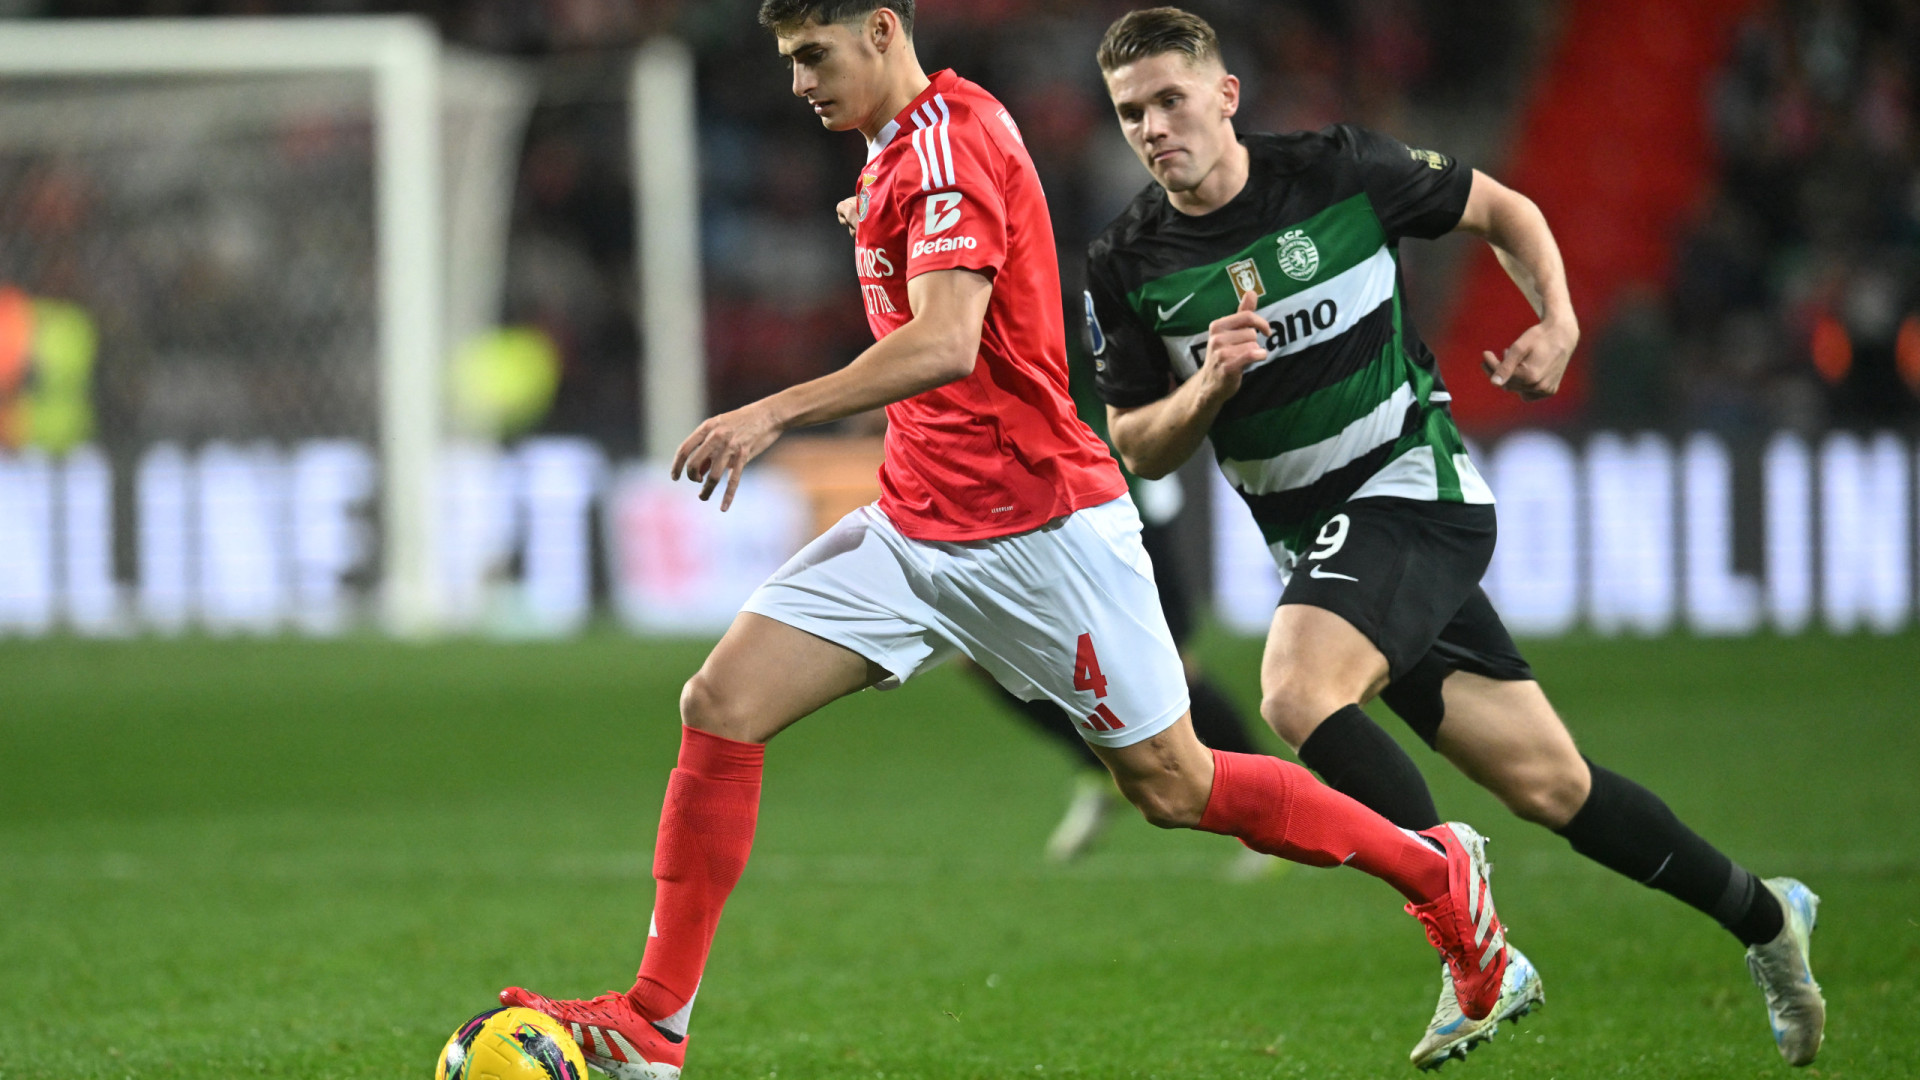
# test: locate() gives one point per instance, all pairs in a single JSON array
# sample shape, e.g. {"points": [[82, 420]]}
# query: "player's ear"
{"points": [[882, 27], [1229, 95]]}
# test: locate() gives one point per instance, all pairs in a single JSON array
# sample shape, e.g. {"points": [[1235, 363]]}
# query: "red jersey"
{"points": [[948, 184]]}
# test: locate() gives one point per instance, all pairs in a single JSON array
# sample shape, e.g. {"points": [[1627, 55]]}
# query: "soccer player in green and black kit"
{"points": [[1251, 296]]}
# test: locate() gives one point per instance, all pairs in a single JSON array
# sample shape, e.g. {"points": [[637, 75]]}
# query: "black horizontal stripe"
{"points": [[1315, 367], [1292, 510]]}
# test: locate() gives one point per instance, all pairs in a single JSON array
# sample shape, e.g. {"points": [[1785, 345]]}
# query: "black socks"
{"points": [[1627, 829], [1358, 759]]}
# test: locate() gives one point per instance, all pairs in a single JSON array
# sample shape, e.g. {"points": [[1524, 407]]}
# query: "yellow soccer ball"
{"points": [[511, 1044]]}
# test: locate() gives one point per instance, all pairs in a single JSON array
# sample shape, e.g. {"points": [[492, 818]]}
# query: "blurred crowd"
{"points": [[1791, 302], [782, 302], [219, 313], [1794, 298]]}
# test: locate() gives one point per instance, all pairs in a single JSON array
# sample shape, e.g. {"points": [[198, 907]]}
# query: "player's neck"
{"points": [[905, 81], [1226, 179]]}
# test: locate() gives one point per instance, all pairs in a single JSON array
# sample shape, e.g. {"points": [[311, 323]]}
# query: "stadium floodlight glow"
{"points": [[1630, 547], [26, 544], [402, 56], [1790, 524], [1865, 537], [1720, 600], [1535, 574]]}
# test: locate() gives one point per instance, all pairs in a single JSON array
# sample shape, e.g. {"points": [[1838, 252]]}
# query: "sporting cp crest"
{"points": [[1246, 279], [1299, 259]]}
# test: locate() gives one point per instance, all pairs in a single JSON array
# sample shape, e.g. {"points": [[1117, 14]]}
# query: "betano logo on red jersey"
{"points": [[943, 211], [944, 244]]}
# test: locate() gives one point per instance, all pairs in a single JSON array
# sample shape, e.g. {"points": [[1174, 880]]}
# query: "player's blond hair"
{"points": [[1138, 35]]}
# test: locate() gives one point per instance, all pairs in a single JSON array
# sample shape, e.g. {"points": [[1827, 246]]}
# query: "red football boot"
{"points": [[1462, 924], [615, 1038]]}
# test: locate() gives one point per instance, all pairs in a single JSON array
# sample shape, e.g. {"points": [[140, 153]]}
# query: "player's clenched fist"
{"points": [[1533, 365], [844, 211], [722, 446], [1234, 343]]}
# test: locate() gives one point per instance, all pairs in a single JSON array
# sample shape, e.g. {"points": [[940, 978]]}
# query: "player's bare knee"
{"points": [[705, 706], [1291, 711], [1548, 796]]}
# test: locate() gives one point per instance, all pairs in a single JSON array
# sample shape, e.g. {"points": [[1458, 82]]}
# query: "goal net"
{"points": [[233, 257]]}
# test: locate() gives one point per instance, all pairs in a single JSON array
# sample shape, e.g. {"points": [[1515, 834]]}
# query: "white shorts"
{"points": [[1066, 612]]}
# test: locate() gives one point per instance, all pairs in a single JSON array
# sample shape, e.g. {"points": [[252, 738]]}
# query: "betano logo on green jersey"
{"points": [[1315, 280], [1367, 430], [1301, 317]]}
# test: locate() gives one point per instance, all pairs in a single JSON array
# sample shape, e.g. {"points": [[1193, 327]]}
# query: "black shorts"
{"points": [[1406, 574]]}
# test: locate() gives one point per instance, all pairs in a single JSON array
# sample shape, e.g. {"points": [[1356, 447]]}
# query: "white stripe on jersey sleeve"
{"points": [[925, 176], [927, 120], [945, 146]]}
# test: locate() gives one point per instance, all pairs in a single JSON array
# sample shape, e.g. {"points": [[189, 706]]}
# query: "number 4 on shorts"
{"points": [[1086, 668], [1086, 676]]}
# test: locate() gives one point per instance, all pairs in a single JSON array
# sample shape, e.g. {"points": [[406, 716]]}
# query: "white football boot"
{"points": [[1795, 1010], [1451, 1035], [1089, 812]]}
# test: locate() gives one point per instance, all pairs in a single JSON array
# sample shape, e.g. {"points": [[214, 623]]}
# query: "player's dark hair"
{"points": [[783, 15], [1138, 35]]}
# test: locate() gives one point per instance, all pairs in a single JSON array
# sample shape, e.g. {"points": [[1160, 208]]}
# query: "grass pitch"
{"points": [[290, 859]]}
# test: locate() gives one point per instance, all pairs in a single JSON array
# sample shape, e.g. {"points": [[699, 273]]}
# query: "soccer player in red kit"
{"points": [[1003, 532]]}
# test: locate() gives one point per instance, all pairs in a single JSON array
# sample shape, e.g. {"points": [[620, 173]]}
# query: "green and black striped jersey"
{"points": [[1348, 402]]}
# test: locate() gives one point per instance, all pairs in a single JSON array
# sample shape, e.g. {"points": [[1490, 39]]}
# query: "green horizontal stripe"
{"points": [[1344, 234], [1320, 415]]}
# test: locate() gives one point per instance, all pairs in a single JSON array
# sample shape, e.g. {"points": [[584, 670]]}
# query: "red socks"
{"points": [[713, 800], [1278, 808], [706, 832]]}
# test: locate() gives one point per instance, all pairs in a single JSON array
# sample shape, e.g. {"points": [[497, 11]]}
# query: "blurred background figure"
{"points": [[47, 350]]}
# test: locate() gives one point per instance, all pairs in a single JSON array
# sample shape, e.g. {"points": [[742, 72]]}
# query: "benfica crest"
{"points": [[866, 195]]}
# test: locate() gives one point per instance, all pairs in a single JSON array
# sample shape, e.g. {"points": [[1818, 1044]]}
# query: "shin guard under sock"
{"points": [[1629, 830], [706, 832], [1357, 758], [1278, 808]]}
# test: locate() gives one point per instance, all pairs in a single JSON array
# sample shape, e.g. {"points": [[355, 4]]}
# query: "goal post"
{"points": [[437, 248], [666, 187]]}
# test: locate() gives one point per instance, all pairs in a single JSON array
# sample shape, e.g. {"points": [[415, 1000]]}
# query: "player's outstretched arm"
{"points": [[1156, 438], [935, 347], [1533, 364]]}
